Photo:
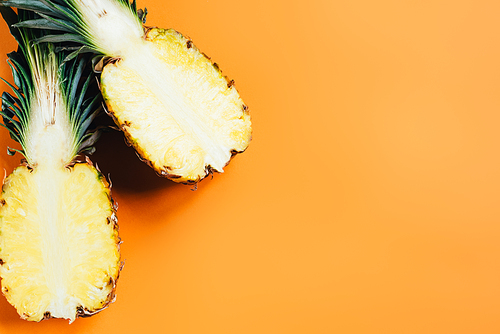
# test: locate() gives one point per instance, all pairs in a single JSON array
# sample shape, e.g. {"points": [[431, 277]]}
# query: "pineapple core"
{"points": [[59, 248]]}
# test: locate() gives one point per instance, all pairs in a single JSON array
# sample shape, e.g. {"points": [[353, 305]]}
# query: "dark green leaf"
{"points": [[10, 17], [73, 85], [61, 39], [43, 24], [35, 6], [80, 50], [18, 94]]}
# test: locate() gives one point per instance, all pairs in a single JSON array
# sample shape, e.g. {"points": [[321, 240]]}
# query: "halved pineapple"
{"points": [[184, 118], [59, 244], [185, 125]]}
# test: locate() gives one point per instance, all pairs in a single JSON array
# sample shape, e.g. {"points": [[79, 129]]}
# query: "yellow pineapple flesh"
{"points": [[176, 109], [59, 245]]}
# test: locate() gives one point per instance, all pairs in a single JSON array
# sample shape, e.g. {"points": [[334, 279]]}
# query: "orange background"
{"points": [[368, 201]]}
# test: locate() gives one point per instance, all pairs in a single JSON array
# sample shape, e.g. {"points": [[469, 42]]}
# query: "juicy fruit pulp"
{"points": [[59, 245], [182, 116]]}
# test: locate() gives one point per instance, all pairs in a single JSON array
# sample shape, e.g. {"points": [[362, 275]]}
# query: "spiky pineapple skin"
{"points": [[92, 288], [184, 162]]}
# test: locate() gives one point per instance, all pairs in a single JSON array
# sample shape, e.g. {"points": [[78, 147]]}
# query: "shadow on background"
{"points": [[121, 163], [8, 313]]}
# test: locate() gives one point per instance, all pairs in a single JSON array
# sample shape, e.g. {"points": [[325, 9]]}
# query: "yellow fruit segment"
{"points": [[59, 244], [176, 108]]}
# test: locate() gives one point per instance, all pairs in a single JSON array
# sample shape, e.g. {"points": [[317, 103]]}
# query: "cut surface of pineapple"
{"points": [[59, 245], [176, 108]]}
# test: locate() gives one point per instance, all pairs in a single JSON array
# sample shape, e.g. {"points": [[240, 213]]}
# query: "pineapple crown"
{"points": [[36, 69], [69, 21]]}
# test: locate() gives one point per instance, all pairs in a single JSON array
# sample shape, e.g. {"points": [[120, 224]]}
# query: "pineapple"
{"points": [[183, 117], [59, 244]]}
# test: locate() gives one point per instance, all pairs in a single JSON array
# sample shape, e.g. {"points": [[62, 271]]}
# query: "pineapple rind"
{"points": [[184, 118], [88, 261]]}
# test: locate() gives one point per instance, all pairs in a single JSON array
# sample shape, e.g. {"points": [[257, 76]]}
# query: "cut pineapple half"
{"points": [[185, 125], [59, 244], [184, 118]]}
